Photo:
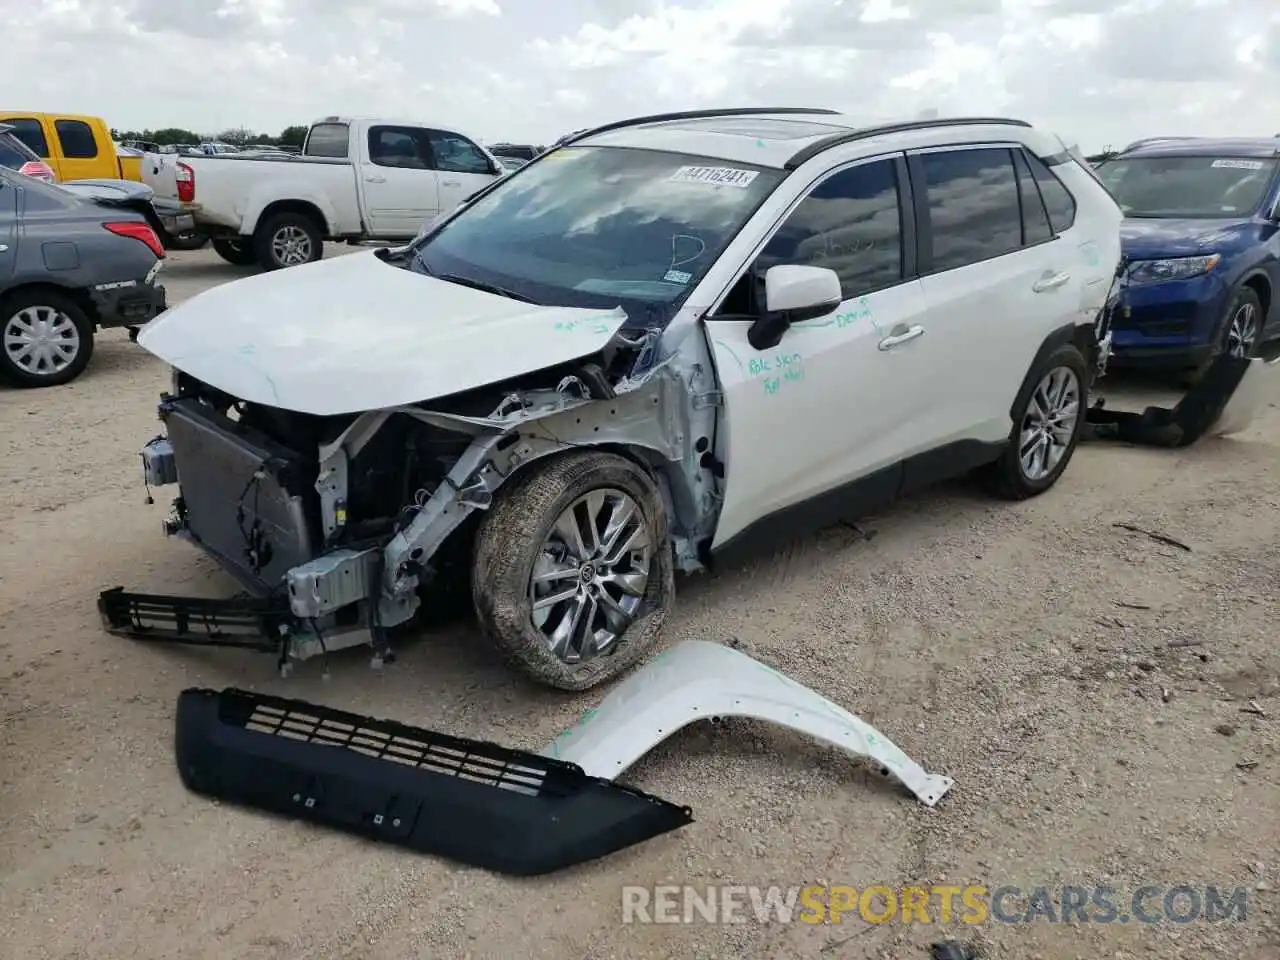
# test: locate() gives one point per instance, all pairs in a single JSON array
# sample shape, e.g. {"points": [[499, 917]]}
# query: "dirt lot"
{"points": [[1092, 743]]}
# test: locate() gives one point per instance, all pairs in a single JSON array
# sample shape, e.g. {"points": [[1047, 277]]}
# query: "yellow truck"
{"points": [[76, 147]]}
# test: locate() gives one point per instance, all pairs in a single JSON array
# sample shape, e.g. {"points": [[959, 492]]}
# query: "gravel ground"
{"points": [[1084, 685]]}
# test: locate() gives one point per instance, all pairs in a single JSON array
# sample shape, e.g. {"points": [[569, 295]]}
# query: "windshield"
{"points": [[1187, 186], [601, 227]]}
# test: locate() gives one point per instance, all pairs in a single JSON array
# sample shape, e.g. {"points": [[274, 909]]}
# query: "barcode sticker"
{"points": [[715, 176]]}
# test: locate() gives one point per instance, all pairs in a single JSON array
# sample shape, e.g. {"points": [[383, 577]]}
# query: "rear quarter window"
{"points": [[329, 140], [1057, 198]]}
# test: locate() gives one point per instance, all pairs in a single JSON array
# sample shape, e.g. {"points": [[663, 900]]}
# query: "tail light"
{"points": [[186, 179], [138, 231], [37, 169]]}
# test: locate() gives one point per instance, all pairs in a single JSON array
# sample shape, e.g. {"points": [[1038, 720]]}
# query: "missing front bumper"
{"points": [[469, 801]]}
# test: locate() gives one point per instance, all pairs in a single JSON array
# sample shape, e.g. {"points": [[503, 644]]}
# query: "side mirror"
{"points": [[793, 294]]}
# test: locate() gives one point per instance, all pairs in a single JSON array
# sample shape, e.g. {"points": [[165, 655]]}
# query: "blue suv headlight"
{"points": [[1175, 268]]}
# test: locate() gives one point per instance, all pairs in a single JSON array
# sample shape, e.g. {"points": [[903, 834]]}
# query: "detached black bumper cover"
{"points": [[473, 802]]}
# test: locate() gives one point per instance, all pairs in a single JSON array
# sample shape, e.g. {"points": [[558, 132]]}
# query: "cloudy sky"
{"points": [[1096, 71]]}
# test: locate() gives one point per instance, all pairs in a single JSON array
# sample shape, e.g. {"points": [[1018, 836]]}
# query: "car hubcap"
{"points": [[590, 576], [41, 341], [291, 246], [1243, 331], [1049, 423]]}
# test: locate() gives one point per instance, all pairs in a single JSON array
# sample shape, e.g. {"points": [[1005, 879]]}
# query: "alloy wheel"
{"points": [[1049, 423], [290, 246], [1243, 331], [591, 574]]}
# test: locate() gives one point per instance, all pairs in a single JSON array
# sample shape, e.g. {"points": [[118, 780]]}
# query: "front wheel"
{"points": [[572, 574], [1049, 415]]}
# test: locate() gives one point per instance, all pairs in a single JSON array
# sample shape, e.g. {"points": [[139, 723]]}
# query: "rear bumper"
{"points": [[130, 305], [173, 216]]}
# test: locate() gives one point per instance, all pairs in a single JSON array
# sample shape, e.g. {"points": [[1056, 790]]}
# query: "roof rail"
{"points": [[693, 115], [805, 154]]}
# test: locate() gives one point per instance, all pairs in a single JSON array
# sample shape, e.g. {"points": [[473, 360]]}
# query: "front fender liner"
{"points": [[473, 802], [697, 680]]}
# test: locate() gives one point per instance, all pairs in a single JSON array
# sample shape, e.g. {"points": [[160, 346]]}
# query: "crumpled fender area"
{"points": [[1224, 401], [469, 801], [697, 680]]}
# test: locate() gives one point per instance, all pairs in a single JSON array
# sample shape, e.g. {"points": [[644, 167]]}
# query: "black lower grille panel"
{"points": [[469, 801], [250, 623]]}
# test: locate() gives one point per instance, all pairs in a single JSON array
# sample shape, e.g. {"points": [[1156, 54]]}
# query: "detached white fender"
{"points": [[1248, 398], [697, 681]]}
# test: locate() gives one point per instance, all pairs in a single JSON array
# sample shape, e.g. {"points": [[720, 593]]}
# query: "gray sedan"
{"points": [[69, 266]]}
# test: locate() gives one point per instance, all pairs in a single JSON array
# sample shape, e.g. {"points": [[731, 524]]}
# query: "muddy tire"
{"points": [[1049, 415], [238, 253], [615, 587]]}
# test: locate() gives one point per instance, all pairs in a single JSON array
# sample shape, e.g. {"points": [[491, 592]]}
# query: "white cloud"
{"points": [[1097, 71]]}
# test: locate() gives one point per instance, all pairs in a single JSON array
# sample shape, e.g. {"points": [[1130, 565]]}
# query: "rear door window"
{"points": [[398, 147], [75, 137], [974, 209]]}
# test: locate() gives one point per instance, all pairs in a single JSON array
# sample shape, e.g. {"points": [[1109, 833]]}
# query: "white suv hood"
{"points": [[354, 334]]}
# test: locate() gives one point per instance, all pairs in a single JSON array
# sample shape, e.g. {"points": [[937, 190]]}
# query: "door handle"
{"points": [[3, 247], [899, 335], [1050, 281], [450, 183], [375, 179]]}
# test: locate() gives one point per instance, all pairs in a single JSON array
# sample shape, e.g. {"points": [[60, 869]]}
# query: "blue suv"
{"points": [[1202, 239]]}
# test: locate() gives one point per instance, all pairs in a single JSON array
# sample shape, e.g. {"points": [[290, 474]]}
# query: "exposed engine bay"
{"points": [[337, 527]]}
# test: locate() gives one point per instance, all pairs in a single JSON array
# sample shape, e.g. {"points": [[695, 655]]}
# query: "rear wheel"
{"points": [[46, 339], [287, 240], [1050, 413], [190, 240], [572, 574], [236, 252]]}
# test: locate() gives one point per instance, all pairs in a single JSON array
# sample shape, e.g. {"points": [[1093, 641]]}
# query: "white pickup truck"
{"points": [[356, 179]]}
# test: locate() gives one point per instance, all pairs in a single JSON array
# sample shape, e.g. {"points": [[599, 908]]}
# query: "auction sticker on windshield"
{"points": [[1240, 164], [715, 176]]}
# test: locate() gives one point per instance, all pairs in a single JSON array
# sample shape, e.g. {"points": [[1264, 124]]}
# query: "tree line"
{"points": [[239, 136]]}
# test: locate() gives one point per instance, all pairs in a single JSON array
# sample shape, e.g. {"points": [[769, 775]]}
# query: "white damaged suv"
{"points": [[664, 340]]}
